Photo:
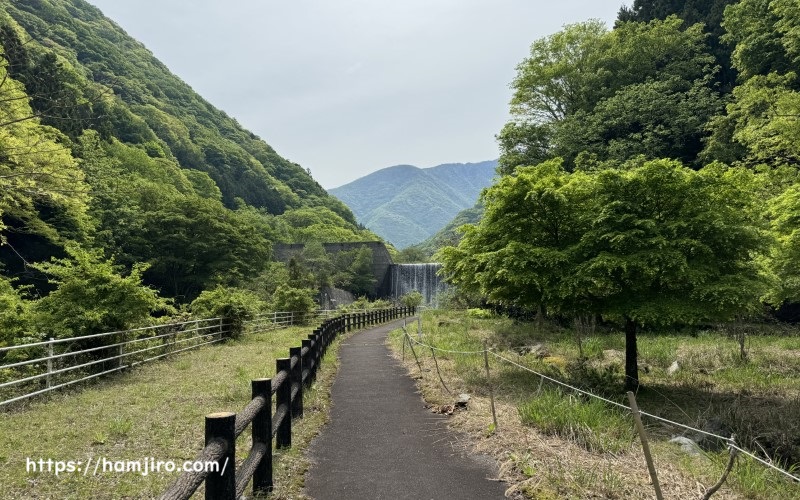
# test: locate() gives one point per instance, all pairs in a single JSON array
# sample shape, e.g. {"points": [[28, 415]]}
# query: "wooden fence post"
{"points": [[312, 357], [637, 418], [221, 484], [296, 378], [320, 349], [489, 381], [306, 344], [283, 396], [262, 433]]}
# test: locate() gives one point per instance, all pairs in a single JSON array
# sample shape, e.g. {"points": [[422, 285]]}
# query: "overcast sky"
{"points": [[347, 87]]}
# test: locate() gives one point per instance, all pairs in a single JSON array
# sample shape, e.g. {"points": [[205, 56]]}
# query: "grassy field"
{"points": [[154, 411], [553, 443]]}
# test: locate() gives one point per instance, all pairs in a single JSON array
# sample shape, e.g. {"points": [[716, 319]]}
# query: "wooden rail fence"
{"points": [[227, 482]]}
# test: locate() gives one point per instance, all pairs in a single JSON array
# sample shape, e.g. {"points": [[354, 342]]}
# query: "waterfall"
{"points": [[423, 278]]}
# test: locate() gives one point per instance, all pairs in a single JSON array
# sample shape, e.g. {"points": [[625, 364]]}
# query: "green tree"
{"points": [[784, 212], [672, 246], [521, 251], [709, 13], [298, 300], [92, 296], [641, 89], [763, 117], [234, 305], [36, 166], [15, 319], [648, 245]]}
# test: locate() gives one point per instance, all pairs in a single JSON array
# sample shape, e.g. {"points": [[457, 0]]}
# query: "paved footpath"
{"points": [[381, 443]]}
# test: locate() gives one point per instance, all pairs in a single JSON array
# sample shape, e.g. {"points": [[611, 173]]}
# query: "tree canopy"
{"points": [[655, 243], [641, 89]]}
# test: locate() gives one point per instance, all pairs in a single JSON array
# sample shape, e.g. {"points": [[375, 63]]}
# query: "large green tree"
{"points": [[762, 122], [641, 89], [647, 245], [709, 13]]}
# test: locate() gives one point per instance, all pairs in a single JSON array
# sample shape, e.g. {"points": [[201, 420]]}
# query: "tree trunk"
{"points": [[631, 356]]}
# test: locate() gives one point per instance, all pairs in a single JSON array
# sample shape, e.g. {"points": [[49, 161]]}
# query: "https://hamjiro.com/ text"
{"points": [[102, 465]]}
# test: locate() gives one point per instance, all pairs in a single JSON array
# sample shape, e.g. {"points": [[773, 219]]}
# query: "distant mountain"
{"points": [[406, 205], [449, 235]]}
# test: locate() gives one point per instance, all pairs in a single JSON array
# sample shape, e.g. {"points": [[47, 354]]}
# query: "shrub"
{"points": [[411, 299], [14, 315], [298, 300], [93, 296], [234, 305], [479, 313]]}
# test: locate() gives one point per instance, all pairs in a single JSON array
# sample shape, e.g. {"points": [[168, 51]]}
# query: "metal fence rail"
{"points": [[40, 367], [27, 370]]}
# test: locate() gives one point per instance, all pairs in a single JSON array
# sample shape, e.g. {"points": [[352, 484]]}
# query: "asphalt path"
{"points": [[382, 443]]}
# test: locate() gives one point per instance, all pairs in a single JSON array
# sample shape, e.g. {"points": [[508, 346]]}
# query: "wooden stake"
{"points": [[727, 471], [414, 352], [637, 418], [489, 381]]}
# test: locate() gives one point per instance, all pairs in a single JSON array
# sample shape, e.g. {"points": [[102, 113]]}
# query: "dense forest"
{"points": [[649, 172], [124, 195]]}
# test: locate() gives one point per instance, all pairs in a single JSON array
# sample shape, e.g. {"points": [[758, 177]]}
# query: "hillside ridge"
{"points": [[405, 204]]}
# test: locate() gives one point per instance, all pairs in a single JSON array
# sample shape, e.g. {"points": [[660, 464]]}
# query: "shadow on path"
{"points": [[382, 443]]}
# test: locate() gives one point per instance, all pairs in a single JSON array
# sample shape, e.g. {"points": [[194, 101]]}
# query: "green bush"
{"points": [[234, 305], [363, 303], [15, 319], [411, 299], [479, 313], [298, 300], [93, 296]]}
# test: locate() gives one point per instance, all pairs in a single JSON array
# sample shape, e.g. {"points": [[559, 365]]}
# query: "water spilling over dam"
{"points": [[424, 278]]}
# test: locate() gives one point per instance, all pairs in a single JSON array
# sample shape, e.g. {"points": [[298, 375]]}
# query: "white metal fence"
{"points": [[28, 370]]}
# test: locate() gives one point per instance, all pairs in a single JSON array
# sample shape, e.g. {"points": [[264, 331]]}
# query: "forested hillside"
{"points": [[406, 204], [649, 172], [121, 187]]}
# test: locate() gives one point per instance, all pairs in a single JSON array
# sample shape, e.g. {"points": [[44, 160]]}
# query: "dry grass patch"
{"points": [[563, 453]]}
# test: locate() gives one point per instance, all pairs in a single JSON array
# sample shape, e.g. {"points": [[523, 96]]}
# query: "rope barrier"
{"points": [[442, 350], [728, 440], [556, 381]]}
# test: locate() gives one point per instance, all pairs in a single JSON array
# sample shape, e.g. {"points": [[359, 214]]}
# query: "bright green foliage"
{"points": [[479, 313], [287, 298], [670, 245], [785, 215], [763, 117], [91, 296], [15, 320], [318, 225], [652, 244], [411, 299], [36, 168], [765, 111], [521, 251], [758, 46], [788, 12], [706, 12], [641, 89], [233, 305]]}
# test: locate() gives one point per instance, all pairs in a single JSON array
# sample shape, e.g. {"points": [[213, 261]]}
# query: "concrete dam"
{"points": [[392, 281]]}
